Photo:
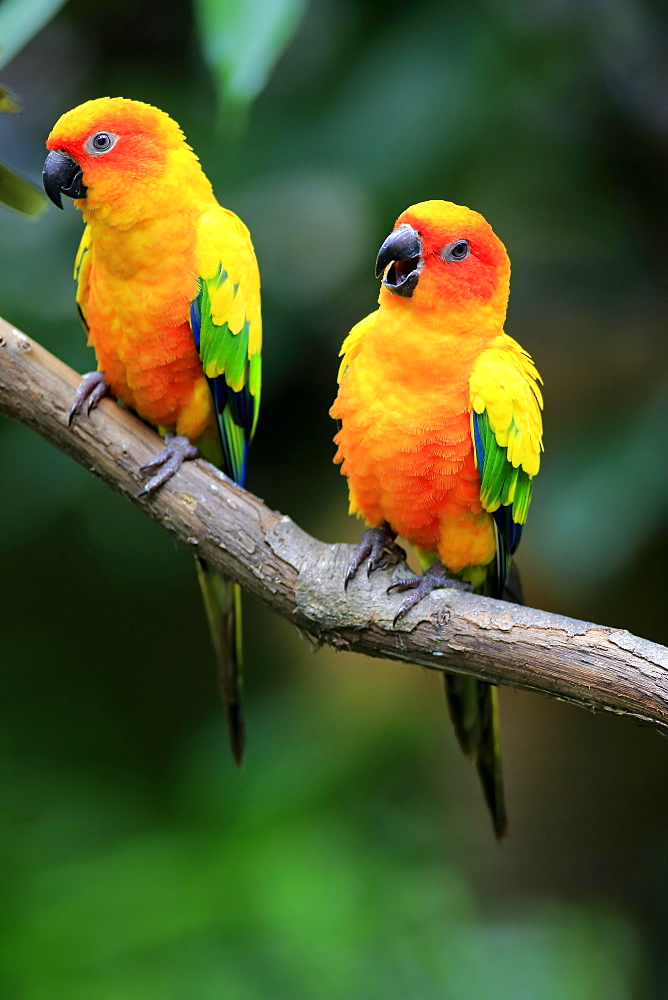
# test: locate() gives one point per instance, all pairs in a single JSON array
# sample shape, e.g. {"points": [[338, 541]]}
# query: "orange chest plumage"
{"points": [[405, 438], [136, 304]]}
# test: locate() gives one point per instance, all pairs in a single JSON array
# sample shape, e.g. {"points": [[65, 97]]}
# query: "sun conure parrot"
{"points": [[169, 291], [441, 433]]}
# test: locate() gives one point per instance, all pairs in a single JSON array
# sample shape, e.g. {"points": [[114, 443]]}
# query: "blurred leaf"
{"points": [[604, 499], [122, 900], [19, 194], [241, 42], [8, 102], [20, 20], [327, 209]]}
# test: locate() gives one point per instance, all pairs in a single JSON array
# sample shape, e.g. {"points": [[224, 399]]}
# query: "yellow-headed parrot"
{"points": [[169, 291], [441, 433]]}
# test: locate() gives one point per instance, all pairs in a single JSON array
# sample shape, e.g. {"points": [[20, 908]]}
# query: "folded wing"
{"points": [[227, 327], [507, 430]]}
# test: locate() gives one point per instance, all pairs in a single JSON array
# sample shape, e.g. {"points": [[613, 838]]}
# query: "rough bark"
{"points": [[301, 578]]}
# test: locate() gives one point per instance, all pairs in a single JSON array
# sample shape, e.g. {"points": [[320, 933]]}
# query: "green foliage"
{"points": [[241, 41], [8, 102], [20, 20], [19, 194], [300, 879], [612, 486]]}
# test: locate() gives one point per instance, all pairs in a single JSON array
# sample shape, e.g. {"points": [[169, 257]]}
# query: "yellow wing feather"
{"points": [[227, 326], [505, 384], [82, 271], [225, 240], [353, 341]]}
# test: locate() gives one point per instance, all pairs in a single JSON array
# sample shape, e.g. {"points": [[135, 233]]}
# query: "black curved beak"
{"points": [[62, 175], [402, 250]]}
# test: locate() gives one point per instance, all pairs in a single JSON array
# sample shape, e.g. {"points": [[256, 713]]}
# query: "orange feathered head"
{"points": [[116, 154], [442, 255]]}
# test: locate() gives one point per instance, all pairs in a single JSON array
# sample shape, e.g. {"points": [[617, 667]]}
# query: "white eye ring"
{"points": [[454, 252], [99, 143]]}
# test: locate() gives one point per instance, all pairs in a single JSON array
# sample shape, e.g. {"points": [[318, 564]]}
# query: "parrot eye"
{"points": [[458, 250], [100, 142]]}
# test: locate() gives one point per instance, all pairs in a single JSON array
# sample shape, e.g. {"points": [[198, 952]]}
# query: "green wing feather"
{"points": [[226, 324]]}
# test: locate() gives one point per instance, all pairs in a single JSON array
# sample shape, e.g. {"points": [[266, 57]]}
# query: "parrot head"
{"points": [[113, 156], [443, 255]]}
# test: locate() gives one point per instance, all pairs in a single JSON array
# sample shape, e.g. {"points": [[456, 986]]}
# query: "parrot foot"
{"points": [[92, 389], [379, 547], [177, 450], [436, 577]]}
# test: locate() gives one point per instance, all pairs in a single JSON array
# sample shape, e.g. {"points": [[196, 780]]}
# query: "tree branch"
{"points": [[301, 578]]}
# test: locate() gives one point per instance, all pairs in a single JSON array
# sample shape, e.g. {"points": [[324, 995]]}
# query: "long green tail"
{"points": [[222, 600], [474, 711]]}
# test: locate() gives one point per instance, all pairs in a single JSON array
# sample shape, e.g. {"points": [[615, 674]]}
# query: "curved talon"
{"points": [[92, 389], [169, 460], [436, 577], [408, 583], [379, 547]]}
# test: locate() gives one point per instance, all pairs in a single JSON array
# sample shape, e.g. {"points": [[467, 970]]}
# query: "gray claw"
{"points": [[92, 389], [379, 547], [169, 460], [436, 577]]}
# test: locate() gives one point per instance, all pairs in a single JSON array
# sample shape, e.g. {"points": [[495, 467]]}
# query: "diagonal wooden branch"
{"points": [[301, 578]]}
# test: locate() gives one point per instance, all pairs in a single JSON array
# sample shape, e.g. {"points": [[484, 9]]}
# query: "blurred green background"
{"points": [[352, 858]]}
